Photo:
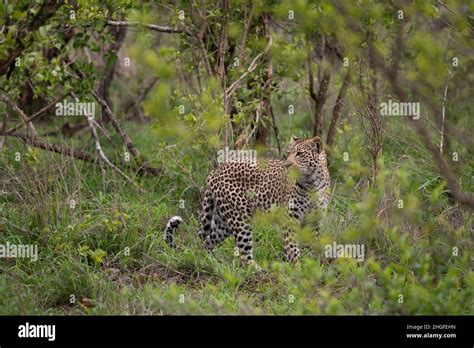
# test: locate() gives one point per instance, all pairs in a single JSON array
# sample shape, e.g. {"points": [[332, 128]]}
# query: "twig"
{"points": [[443, 113]]}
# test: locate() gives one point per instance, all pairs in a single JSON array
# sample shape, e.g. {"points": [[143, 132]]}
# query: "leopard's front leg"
{"points": [[290, 238]]}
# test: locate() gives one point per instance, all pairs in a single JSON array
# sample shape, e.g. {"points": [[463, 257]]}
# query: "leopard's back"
{"points": [[259, 184]]}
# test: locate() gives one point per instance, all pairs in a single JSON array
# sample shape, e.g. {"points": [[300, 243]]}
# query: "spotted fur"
{"points": [[236, 190]]}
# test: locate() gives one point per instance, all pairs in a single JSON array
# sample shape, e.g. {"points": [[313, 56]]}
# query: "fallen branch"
{"points": [[63, 150]]}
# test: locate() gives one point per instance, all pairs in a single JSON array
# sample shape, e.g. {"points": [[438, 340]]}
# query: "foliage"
{"points": [[104, 254]]}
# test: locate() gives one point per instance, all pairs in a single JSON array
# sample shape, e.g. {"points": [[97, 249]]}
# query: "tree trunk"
{"points": [[336, 112], [119, 34], [320, 101]]}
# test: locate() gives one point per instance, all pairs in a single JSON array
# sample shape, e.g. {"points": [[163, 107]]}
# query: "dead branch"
{"points": [[37, 114], [140, 160], [154, 27], [103, 158], [20, 112], [63, 150]]}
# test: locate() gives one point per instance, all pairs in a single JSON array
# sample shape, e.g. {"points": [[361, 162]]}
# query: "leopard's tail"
{"points": [[171, 226]]}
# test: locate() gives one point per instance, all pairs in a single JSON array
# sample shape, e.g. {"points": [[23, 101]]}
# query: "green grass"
{"points": [[108, 248]]}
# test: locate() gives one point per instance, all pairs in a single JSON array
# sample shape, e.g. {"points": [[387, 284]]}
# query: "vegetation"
{"points": [[170, 83]]}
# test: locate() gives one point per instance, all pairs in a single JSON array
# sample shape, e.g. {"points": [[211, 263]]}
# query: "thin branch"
{"points": [[20, 112], [253, 65], [247, 23], [141, 162], [154, 27], [443, 113], [312, 92], [200, 36], [275, 128], [4, 127], [103, 158], [135, 102], [37, 114]]}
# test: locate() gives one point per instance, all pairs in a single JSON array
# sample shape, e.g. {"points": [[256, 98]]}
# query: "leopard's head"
{"points": [[307, 155]]}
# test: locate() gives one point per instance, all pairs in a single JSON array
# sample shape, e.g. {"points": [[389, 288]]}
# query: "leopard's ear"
{"points": [[317, 144], [294, 140]]}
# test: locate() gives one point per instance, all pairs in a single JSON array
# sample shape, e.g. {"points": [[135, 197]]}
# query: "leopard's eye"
{"points": [[298, 154]]}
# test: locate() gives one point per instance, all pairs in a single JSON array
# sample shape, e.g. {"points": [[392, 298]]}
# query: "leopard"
{"points": [[236, 190]]}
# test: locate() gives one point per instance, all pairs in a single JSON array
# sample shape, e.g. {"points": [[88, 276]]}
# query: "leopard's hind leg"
{"points": [[240, 224], [206, 217], [219, 231]]}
